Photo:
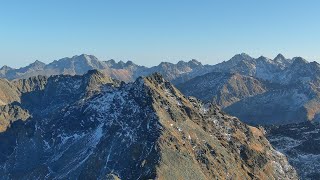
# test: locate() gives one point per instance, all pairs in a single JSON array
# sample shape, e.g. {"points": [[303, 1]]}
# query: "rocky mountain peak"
{"points": [[85, 56], [37, 65], [241, 57], [282, 62], [82, 58], [5, 68], [110, 62], [113, 64], [194, 63], [164, 64], [37, 62], [264, 59], [279, 57], [299, 61], [315, 64], [121, 63], [130, 63]]}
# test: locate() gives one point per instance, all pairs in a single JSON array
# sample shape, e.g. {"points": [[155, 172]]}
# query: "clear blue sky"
{"points": [[148, 32]]}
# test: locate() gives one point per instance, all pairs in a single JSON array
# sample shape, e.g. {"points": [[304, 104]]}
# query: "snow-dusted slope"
{"points": [[301, 142]]}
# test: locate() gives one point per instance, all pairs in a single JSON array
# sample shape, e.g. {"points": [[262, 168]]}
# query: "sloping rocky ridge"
{"points": [[301, 143], [223, 89], [146, 129], [286, 105]]}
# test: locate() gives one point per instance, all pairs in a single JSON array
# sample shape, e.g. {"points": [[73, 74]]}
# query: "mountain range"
{"points": [[261, 91], [63, 106], [94, 127], [269, 91], [128, 72]]}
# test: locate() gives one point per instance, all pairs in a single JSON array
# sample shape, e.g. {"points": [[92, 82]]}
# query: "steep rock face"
{"points": [[8, 92], [223, 89], [301, 143], [141, 130], [35, 83], [10, 114]]}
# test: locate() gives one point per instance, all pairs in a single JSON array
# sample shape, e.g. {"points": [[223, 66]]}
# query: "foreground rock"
{"points": [[142, 130]]}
